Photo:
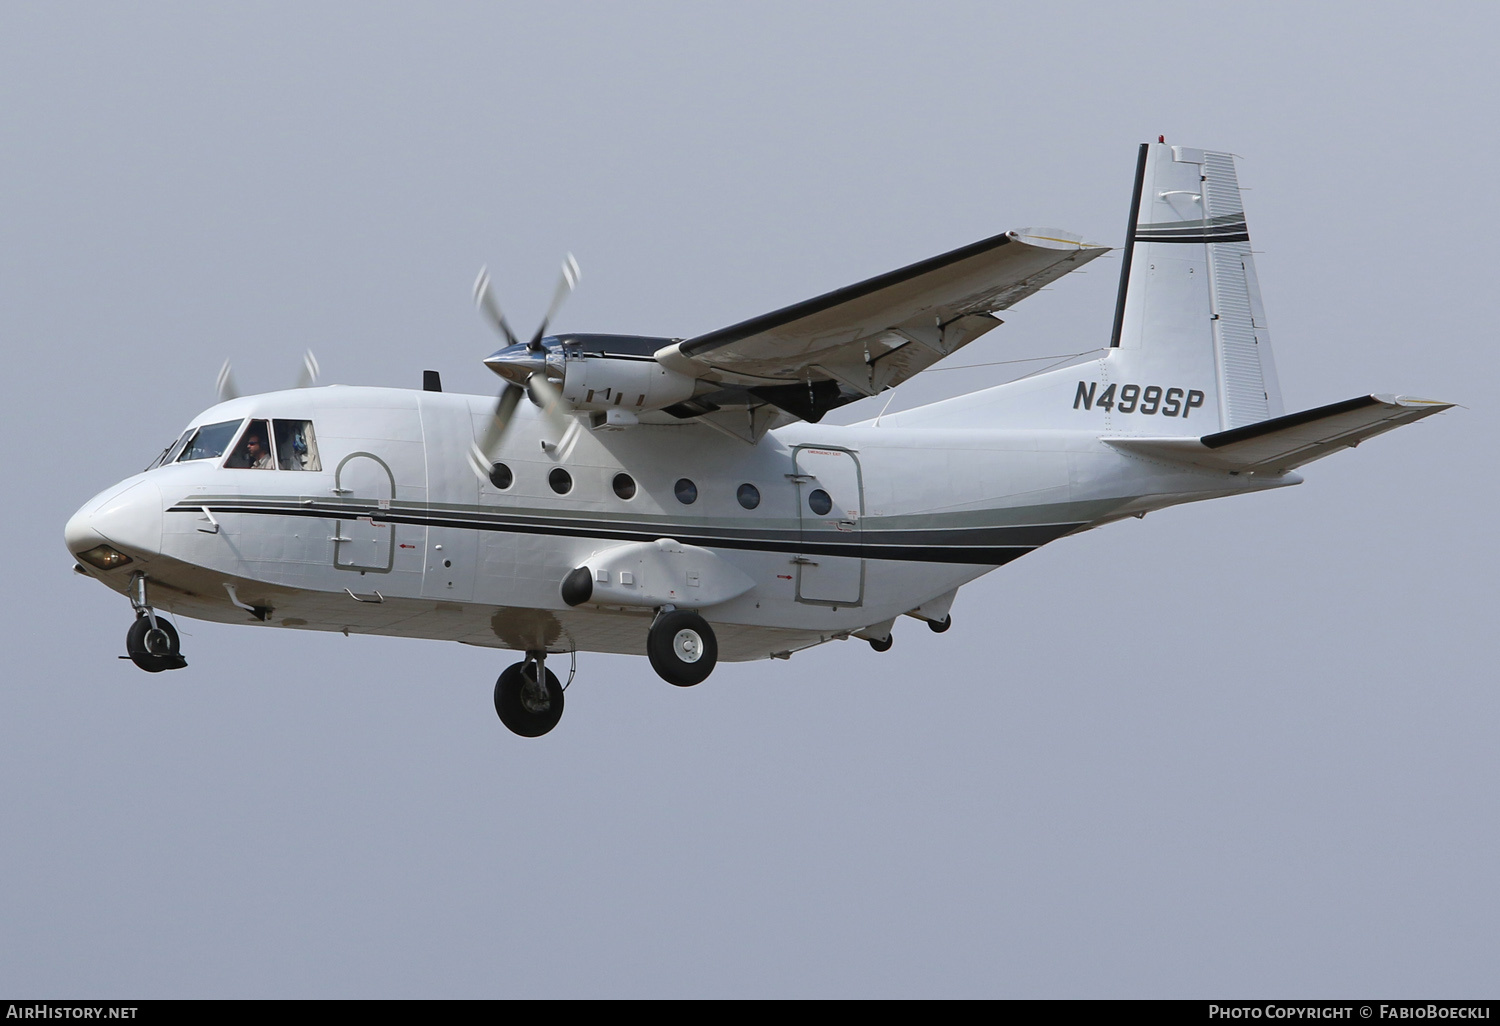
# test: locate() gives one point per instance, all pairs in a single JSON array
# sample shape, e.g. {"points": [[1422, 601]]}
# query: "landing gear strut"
{"points": [[682, 647], [152, 642], [528, 697]]}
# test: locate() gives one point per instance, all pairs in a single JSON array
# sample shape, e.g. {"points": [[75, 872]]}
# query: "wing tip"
{"points": [[1053, 238], [1413, 402]]}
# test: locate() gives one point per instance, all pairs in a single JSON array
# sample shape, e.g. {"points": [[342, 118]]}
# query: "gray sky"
{"points": [[1244, 747]]}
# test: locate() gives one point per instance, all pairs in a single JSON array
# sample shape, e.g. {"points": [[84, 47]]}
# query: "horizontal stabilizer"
{"points": [[1283, 443]]}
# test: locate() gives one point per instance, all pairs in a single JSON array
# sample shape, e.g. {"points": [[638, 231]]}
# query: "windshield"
{"points": [[209, 441], [170, 452]]}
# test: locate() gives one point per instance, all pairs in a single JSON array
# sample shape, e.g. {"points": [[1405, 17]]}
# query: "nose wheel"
{"points": [[154, 648], [152, 642], [528, 697]]}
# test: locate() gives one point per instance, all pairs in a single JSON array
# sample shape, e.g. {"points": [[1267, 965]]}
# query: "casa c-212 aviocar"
{"points": [[682, 499]]}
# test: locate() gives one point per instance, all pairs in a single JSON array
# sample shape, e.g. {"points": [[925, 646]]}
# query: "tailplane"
{"points": [[1275, 446]]}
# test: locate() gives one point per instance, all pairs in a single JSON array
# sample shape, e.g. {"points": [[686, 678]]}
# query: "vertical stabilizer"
{"points": [[1189, 307]]}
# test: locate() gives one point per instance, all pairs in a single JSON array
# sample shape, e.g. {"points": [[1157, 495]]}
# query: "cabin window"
{"points": [[686, 491], [820, 502], [501, 476], [560, 480], [749, 495], [624, 486], [296, 447], [254, 450], [210, 441]]}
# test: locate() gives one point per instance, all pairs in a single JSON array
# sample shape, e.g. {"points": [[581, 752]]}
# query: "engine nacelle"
{"points": [[602, 383]]}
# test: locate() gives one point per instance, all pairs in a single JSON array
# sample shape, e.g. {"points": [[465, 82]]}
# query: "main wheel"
{"points": [[153, 649], [524, 706], [939, 626], [882, 646], [682, 648]]}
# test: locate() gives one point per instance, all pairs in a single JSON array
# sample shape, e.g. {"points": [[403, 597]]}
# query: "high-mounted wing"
{"points": [[860, 340]]}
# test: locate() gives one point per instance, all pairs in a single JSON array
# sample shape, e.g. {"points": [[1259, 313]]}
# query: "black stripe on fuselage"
{"points": [[984, 545]]}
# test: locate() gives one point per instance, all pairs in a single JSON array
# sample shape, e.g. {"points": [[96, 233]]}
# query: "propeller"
{"points": [[227, 388], [523, 373], [307, 377]]}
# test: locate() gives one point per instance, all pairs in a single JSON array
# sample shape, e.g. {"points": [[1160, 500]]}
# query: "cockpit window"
{"points": [[296, 448], [254, 450], [170, 452], [209, 441]]}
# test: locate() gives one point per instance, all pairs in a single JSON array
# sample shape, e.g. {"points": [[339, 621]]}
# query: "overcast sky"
{"points": [[1240, 748]]}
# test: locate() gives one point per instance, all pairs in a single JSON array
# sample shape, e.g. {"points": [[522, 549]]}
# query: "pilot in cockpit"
{"points": [[254, 453]]}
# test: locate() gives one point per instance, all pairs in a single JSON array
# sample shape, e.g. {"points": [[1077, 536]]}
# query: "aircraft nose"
{"points": [[130, 518]]}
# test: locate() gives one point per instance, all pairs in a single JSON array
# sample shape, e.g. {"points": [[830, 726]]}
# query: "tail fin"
{"points": [[1189, 312]]}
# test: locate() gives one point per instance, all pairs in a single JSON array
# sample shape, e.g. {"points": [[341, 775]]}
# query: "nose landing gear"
{"points": [[528, 697], [152, 642]]}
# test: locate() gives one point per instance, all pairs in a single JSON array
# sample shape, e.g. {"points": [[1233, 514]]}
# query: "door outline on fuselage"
{"points": [[346, 529], [814, 572]]}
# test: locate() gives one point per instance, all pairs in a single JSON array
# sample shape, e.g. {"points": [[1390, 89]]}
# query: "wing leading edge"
{"points": [[873, 335]]}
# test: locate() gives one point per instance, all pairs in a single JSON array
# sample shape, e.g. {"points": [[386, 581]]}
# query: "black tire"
{"points": [[517, 703], [682, 648], [882, 646], [939, 626], [153, 650]]}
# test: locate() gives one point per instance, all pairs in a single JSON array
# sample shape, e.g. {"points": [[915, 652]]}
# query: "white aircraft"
{"points": [[679, 497]]}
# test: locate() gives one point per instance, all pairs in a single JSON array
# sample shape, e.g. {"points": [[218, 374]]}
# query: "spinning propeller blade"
{"points": [[505, 407], [308, 377], [565, 286], [485, 301], [227, 388]]}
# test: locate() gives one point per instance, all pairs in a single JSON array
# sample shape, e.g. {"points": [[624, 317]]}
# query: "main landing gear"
{"points": [[680, 643], [528, 697], [152, 642], [682, 647]]}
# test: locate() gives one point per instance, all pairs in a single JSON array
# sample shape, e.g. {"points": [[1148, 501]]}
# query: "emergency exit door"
{"points": [[830, 499]]}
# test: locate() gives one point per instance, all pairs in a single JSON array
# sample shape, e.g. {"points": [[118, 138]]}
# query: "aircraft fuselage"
{"points": [[838, 529]]}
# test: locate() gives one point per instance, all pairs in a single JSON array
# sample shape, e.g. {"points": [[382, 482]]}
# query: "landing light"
{"points": [[104, 557]]}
